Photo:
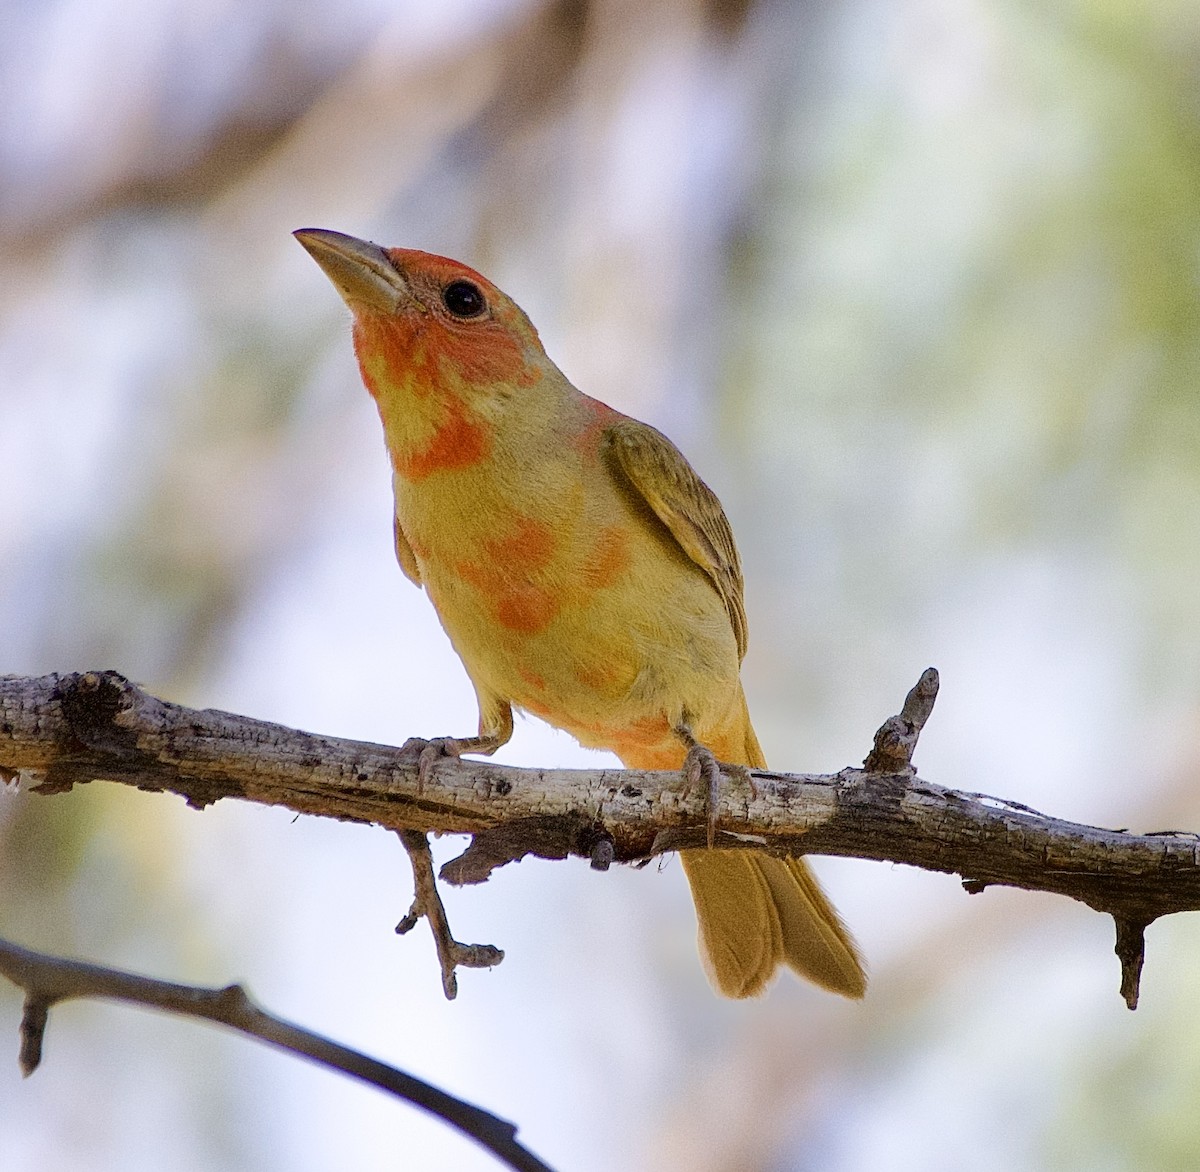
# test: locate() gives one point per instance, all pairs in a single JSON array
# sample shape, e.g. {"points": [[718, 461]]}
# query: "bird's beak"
{"points": [[359, 270]]}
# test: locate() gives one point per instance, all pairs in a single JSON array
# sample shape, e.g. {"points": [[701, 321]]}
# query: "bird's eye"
{"points": [[464, 299]]}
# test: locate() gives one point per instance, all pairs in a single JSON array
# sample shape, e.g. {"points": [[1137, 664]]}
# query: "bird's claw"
{"points": [[424, 753], [701, 764]]}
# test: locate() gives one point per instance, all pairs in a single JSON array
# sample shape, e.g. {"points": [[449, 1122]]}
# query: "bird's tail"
{"points": [[756, 911]]}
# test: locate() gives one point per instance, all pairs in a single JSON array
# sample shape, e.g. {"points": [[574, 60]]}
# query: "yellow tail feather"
{"points": [[756, 912]]}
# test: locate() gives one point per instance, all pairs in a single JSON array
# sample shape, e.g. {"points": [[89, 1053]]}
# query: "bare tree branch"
{"points": [[49, 979], [427, 904], [62, 730]]}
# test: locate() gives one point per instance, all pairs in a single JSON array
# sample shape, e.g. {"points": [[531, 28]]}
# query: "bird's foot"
{"points": [[701, 765], [424, 754]]}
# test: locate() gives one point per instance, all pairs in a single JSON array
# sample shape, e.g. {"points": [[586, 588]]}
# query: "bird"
{"points": [[583, 572]]}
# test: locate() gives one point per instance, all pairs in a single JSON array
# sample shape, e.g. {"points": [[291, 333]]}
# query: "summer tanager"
{"points": [[581, 568]]}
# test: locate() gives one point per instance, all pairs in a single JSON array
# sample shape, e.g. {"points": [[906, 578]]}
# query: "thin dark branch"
{"points": [[60, 731], [48, 980]]}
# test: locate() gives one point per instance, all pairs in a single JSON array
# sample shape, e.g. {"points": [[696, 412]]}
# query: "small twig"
{"points": [[427, 903], [34, 1017], [897, 737], [1131, 949], [602, 854], [48, 980]]}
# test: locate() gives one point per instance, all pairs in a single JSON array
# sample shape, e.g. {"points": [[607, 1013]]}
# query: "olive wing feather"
{"points": [[658, 473]]}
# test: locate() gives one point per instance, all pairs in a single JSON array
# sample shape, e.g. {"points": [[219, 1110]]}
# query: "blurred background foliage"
{"points": [[914, 285]]}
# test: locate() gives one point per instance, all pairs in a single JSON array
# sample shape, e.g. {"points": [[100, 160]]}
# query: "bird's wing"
{"points": [[405, 555], [657, 472]]}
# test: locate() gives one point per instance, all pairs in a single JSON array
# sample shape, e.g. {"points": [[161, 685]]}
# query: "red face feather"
{"points": [[494, 348]]}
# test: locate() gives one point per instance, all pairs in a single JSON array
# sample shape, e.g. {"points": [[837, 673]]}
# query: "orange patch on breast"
{"points": [[528, 543], [457, 442], [528, 610], [609, 557], [597, 677], [637, 757], [532, 678], [641, 744], [648, 744], [650, 727], [538, 710], [502, 574]]}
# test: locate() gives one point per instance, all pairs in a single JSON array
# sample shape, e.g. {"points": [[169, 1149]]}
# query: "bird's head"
{"points": [[455, 367], [424, 322]]}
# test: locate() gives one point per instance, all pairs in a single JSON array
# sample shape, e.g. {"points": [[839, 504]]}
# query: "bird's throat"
{"points": [[429, 424]]}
